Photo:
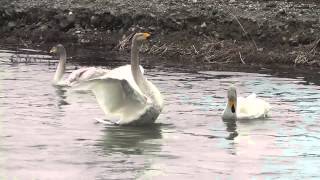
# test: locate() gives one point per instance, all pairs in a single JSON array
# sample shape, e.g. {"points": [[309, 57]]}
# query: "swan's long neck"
{"points": [[138, 75], [61, 67], [135, 69]]}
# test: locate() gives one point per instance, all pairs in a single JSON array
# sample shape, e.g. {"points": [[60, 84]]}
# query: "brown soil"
{"points": [[208, 32]]}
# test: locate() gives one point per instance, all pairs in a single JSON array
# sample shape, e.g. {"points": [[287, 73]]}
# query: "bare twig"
{"points": [[316, 44], [242, 60], [195, 50], [246, 33], [164, 51]]}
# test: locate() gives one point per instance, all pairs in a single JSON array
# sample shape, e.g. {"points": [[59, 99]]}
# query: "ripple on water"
{"points": [[45, 131]]}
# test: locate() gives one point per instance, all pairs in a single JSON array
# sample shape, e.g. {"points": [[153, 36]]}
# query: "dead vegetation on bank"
{"points": [[211, 50], [209, 35], [308, 56]]}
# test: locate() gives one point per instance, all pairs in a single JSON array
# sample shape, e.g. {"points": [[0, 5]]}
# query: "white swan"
{"points": [[250, 107], [124, 92], [77, 75]]}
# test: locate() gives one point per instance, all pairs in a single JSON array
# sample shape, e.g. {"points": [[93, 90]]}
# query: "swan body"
{"points": [[125, 93], [250, 107], [77, 75]]}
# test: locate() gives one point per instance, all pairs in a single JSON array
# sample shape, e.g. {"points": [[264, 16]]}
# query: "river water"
{"points": [[51, 133]]}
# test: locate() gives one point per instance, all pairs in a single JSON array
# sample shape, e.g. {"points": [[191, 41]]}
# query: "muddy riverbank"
{"points": [[198, 31]]}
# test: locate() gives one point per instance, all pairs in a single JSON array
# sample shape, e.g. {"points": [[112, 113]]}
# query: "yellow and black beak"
{"points": [[232, 104], [146, 35]]}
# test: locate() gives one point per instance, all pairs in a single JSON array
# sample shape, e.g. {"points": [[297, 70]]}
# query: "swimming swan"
{"points": [[250, 107], [77, 75], [124, 92]]}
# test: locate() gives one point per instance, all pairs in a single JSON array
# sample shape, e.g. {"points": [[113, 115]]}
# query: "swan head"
{"points": [[58, 49], [232, 99], [230, 112], [140, 37]]}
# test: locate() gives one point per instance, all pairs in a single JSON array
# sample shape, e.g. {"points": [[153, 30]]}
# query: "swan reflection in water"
{"points": [[61, 94], [231, 128], [132, 140]]}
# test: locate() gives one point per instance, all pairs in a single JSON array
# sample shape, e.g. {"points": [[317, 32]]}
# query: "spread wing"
{"points": [[118, 95], [85, 74]]}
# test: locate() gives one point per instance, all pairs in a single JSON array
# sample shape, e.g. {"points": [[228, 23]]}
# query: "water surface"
{"points": [[51, 133]]}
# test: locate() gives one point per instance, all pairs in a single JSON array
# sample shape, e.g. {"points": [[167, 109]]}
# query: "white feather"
{"points": [[250, 107], [125, 92], [77, 75], [118, 95], [82, 74]]}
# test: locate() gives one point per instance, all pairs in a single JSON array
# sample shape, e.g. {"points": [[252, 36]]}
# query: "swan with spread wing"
{"points": [[76, 76], [125, 92], [250, 107]]}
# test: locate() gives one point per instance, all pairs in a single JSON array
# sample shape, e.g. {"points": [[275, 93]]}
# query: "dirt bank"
{"points": [[198, 31]]}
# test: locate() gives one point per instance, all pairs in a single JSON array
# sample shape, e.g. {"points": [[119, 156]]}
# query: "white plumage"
{"points": [[250, 107], [82, 74], [125, 93], [77, 75]]}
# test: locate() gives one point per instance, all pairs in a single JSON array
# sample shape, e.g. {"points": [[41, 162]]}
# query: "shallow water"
{"points": [[50, 133]]}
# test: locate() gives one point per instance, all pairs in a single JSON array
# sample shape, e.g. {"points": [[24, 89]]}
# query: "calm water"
{"points": [[50, 133]]}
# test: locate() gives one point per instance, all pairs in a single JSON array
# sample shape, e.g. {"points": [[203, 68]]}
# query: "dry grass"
{"points": [[308, 56], [124, 42]]}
